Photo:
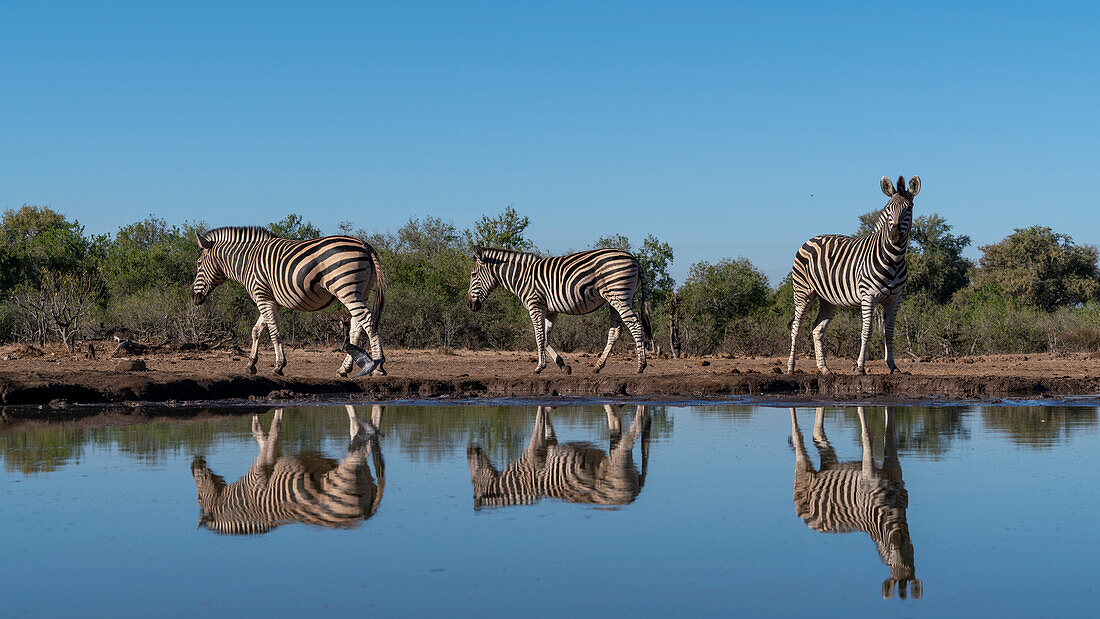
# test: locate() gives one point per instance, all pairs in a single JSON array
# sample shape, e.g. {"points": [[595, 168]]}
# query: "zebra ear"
{"points": [[203, 242], [478, 252], [914, 185], [888, 187]]}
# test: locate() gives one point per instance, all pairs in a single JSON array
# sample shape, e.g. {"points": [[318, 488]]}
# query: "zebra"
{"points": [[573, 472], [574, 284], [305, 488], [856, 272], [858, 496], [299, 275]]}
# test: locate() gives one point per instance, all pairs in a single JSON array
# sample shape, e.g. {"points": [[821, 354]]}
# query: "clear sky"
{"points": [[727, 129]]}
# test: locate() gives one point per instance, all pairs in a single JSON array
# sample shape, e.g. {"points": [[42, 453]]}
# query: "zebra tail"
{"points": [[380, 292], [647, 323]]}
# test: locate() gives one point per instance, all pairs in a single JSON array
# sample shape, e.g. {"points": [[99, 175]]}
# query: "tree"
{"points": [[868, 222], [37, 239], [1041, 268], [937, 268], [505, 231], [149, 254], [294, 227], [716, 294]]}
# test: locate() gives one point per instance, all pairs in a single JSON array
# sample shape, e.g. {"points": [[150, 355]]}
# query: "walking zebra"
{"points": [[858, 496], [574, 472], [856, 272], [298, 275], [575, 284], [305, 488]]}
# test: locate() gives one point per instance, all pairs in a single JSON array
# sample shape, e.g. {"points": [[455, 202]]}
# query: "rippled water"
{"points": [[457, 510]]}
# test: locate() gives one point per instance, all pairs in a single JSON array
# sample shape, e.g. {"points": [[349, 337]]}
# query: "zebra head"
{"points": [[897, 553], [898, 213], [483, 279], [208, 485], [209, 274], [484, 478]]}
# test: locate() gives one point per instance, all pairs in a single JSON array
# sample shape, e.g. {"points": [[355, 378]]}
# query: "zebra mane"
{"points": [[496, 254], [240, 233]]}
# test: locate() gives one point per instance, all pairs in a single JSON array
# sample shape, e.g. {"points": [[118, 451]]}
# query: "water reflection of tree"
{"points": [[925, 430], [1039, 427], [430, 433]]}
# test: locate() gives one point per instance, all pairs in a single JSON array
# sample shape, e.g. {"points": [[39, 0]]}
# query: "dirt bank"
{"points": [[180, 377]]}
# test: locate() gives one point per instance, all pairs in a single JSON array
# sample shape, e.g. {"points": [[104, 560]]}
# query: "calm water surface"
{"points": [[456, 510]]}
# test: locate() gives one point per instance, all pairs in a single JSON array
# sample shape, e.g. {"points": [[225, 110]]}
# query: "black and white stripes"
{"points": [[573, 472], [304, 488], [299, 275], [573, 284], [858, 496], [856, 272]]}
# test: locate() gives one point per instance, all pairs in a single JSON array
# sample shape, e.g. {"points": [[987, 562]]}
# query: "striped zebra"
{"points": [[858, 496], [573, 472], [305, 488], [575, 284], [299, 275], [856, 272]]}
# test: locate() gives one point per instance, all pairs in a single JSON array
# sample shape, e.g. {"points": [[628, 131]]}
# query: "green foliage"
{"points": [[294, 227], [505, 231], [1041, 268], [37, 239], [714, 295], [937, 268], [868, 222]]}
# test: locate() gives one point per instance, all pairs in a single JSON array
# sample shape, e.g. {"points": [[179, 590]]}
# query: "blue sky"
{"points": [[726, 129]]}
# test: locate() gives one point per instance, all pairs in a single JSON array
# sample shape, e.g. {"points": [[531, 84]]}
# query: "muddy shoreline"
{"points": [[58, 380]]}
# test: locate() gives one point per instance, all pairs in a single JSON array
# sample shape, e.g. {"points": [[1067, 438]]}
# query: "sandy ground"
{"points": [[56, 376]]}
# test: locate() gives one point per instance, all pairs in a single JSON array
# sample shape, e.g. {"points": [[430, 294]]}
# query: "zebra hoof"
{"points": [[568, 369], [342, 373], [277, 371], [859, 372], [596, 370], [539, 370], [893, 369], [251, 368]]}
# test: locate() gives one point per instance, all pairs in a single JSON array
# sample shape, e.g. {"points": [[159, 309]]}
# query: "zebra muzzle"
{"points": [[473, 304], [198, 297]]}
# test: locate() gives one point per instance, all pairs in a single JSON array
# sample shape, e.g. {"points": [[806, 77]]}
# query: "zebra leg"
{"points": [[889, 312], [549, 322], [370, 327], [630, 319], [801, 456], [257, 331], [796, 324], [354, 336], [270, 314], [825, 450], [865, 441], [539, 323], [825, 313], [868, 310], [612, 336]]}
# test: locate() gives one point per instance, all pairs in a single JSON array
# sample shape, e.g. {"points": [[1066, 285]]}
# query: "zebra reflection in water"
{"points": [[574, 472], [305, 488], [858, 496]]}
